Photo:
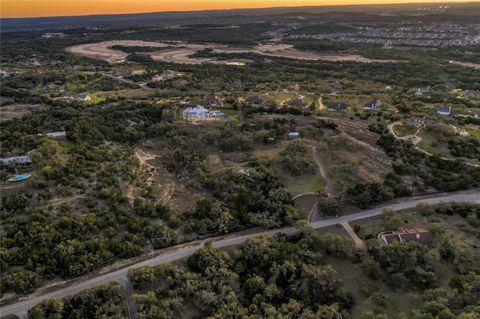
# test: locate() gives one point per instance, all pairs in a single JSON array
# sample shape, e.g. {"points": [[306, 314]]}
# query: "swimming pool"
{"points": [[19, 178]]}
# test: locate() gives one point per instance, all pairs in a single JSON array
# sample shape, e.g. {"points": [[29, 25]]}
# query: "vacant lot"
{"points": [[181, 52], [14, 111]]}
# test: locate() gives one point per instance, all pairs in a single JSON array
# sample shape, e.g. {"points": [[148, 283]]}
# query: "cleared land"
{"points": [[466, 64], [180, 52], [14, 111]]}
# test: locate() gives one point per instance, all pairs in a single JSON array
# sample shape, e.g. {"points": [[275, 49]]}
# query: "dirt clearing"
{"points": [[180, 52]]}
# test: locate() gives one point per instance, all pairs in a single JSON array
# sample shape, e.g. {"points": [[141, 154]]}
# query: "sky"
{"points": [[46, 8]]}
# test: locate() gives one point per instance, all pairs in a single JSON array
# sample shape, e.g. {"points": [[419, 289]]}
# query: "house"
{"points": [[50, 35], [337, 106], [372, 105], [195, 113], [216, 114], [421, 122], [213, 100], [336, 86], [80, 97], [254, 100], [422, 90], [4, 74], [388, 88], [477, 116], [471, 93], [23, 160], [419, 235], [138, 72], [443, 110], [61, 135], [297, 103], [163, 76], [293, 135]]}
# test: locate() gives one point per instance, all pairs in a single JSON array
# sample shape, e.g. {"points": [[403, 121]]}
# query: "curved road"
{"points": [[415, 139], [182, 251]]}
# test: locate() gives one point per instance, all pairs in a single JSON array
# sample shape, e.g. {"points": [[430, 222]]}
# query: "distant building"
{"points": [[195, 113], [293, 135], [477, 116], [443, 110], [138, 72], [4, 74], [163, 76], [421, 122], [388, 88], [79, 97], [213, 100], [23, 160], [61, 135], [254, 100], [297, 103], [50, 35], [471, 93], [423, 90], [372, 105], [418, 235], [216, 114], [335, 85], [337, 106]]}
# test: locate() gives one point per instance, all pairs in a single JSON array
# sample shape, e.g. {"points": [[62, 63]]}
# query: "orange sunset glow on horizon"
{"points": [[45, 8]]}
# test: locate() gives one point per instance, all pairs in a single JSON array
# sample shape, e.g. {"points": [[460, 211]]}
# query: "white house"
{"points": [[195, 113]]}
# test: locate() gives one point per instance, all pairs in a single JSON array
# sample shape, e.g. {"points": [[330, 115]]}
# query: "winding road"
{"points": [[415, 139], [182, 251]]}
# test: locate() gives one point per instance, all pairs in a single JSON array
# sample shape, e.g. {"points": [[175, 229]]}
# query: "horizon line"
{"points": [[247, 8]]}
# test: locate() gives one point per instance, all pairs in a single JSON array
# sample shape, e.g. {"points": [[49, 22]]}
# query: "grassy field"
{"points": [[434, 140], [302, 184], [306, 203], [404, 130]]}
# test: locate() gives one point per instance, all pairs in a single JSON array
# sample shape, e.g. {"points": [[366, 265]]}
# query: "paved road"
{"points": [[182, 251]]}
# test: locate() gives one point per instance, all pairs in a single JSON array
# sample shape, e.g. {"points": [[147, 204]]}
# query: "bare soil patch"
{"points": [[181, 52], [466, 64], [14, 111]]}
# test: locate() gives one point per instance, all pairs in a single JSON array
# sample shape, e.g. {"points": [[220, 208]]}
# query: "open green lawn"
{"points": [[302, 184], [306, 203], [434, 142], [404, 130]]}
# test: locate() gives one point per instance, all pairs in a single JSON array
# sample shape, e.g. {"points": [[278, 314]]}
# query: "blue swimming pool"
{"points": [[19, 178]]}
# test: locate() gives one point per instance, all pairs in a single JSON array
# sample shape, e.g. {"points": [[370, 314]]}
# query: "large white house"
{"points": [[195, 113]]}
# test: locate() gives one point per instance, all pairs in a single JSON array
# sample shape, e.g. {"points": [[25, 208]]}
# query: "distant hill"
{"points": [[162, 19]]}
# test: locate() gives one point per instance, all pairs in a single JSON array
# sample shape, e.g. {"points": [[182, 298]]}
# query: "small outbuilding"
{"points": [[60, 135], [419, 235], [80, 97], [293, 135]]}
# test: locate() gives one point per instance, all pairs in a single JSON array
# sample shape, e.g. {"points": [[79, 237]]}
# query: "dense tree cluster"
{"points": [[103, 302], [429, 171], [244, 196], [265, 278], [296, 158]]}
